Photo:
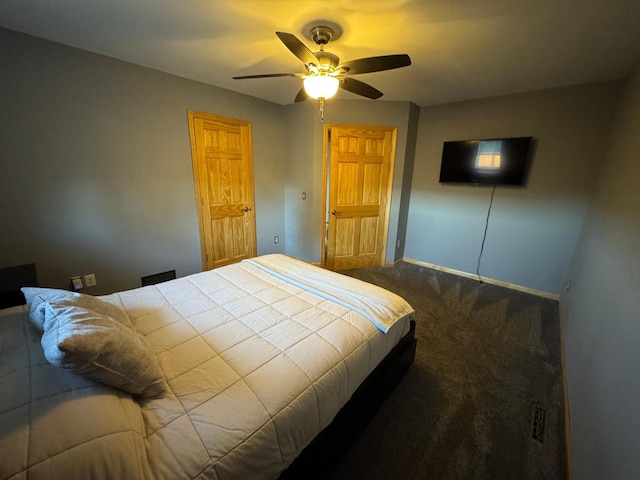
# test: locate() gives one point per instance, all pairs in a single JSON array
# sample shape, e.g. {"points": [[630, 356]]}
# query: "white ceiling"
{"points": [[460, 49]]}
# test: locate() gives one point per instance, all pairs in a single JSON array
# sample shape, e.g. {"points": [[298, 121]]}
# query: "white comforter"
{"points": [[256, 367]]}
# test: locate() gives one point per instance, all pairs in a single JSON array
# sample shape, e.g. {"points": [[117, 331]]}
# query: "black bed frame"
{"points": [[324, 452]]}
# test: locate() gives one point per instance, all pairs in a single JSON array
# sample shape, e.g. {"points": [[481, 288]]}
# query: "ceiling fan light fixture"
{"points": [[321, 86]]}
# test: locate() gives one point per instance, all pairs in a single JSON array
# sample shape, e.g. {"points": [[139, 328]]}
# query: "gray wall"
{"points": [[533, 229], [601, 312], [407, 178], [302, 217], [95, 165]]}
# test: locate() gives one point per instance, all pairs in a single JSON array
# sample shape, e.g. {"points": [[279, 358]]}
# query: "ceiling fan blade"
{"points": [[301, 96], [376, 64], [298, 48], [360, 88], [266, 75]]}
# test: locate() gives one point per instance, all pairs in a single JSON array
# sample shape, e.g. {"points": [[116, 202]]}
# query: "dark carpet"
{"points": [[488, 357]]}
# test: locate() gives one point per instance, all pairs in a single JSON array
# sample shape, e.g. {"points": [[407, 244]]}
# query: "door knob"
{"points": [[333, 212], [246, 209]]}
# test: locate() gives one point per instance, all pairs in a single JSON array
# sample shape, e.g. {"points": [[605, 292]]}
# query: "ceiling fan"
{"points": [[324, 72]]}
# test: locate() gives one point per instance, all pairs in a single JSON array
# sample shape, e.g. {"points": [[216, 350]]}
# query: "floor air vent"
{"points": [[538, 423]]}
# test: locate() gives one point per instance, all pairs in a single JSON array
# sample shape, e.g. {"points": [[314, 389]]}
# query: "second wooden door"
{"points": [[360, 162]]}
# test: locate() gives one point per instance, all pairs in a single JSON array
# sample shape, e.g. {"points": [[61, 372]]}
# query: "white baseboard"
{"points": [[500, 283]]}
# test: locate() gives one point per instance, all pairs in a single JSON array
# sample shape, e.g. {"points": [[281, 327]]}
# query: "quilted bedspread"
{"points": [[256, 367], [57, 425]]}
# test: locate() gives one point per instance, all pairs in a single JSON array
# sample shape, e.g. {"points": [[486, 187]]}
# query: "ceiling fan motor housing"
{"points": [[327, 59]]}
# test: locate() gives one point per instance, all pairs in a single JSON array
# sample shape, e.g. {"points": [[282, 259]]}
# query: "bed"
{"points": [[263, 369]]}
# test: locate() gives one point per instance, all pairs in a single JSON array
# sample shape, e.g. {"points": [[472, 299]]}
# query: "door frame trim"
{"points": [[325, 176]]}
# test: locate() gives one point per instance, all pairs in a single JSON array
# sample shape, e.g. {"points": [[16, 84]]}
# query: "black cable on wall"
{"points": [[484, 237]]}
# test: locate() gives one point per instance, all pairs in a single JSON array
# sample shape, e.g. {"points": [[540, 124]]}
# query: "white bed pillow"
{"points": [[37, 298], [100, 348]]}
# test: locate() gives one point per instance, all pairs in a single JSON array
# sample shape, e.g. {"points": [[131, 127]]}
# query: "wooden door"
{"points": [[360, 168], [223, 176]]}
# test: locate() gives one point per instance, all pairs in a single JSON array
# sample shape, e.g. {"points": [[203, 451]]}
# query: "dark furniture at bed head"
{"points": [[11, 279]]}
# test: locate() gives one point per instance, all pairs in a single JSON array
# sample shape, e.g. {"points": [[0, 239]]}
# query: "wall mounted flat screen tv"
{"points": [[497, 161]]}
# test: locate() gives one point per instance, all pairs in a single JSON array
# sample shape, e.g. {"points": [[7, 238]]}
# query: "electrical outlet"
{"points": [[304, 195], [90, 280], [276, 239], [76, 283]]}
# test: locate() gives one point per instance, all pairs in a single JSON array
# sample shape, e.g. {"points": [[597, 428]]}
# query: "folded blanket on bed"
{"points": [[381, 307]]}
